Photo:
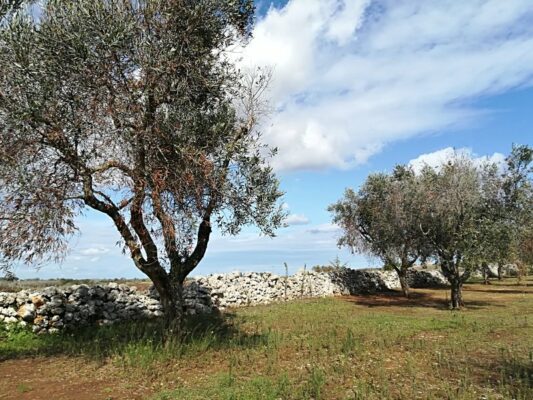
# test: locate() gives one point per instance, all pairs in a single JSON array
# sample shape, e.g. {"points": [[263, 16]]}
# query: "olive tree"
{"points": [[516, 207], [507, 221], [458, 219], [381, 219], [132, 109]]}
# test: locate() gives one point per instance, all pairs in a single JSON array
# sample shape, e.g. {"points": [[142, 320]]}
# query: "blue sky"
{"points": [[359, 86]]}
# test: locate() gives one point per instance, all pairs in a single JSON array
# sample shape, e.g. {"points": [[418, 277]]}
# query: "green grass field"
{"points": [[367, 347]]}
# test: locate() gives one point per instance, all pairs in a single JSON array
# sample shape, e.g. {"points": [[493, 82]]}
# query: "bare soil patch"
{"points": [[65, 378]]}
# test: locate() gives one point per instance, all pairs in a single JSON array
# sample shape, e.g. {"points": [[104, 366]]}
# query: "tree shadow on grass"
{"points": [[142, 337], [511, 371], [501, 291], [416, 299]]}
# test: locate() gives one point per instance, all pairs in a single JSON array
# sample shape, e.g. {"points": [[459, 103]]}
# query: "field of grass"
{"points": [[361, 347]]}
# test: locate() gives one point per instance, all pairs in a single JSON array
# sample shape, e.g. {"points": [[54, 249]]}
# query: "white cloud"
{"points": [[93, 251], [352, 76], [439, 157], [324, 229], [296, 219]]}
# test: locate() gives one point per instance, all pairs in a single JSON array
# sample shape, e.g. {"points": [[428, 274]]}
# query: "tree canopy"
{"points": [[381, 219], [133, 109]]}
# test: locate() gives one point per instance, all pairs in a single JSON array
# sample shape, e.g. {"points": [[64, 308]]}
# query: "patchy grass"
{"points": [[361, 347]]}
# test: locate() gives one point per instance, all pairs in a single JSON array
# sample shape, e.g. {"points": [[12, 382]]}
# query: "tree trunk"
{"points": [[450, 269], [171, 297], [402, 275], [521, 271], [485, 272], [500, 271], [457, 294]]}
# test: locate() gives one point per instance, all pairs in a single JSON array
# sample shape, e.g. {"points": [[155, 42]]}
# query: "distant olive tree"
{"points": [[517, 207], [506, 225], [473, 214], [381, 219], [131, 109], [452, 214]]}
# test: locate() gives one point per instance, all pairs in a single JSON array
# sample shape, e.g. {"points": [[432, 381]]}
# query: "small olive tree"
{"points": [[132, 109], [381, 219]]}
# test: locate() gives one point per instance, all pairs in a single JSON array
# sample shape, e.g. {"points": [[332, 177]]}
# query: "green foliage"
{"points": [[109, 74], [9, 7], [334, 265], [381, 218]]}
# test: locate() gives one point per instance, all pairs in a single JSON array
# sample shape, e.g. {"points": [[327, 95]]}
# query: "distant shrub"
{"points": [[334, 265], [9, 276]]}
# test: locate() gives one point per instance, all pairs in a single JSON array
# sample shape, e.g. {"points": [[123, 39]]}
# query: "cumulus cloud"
{"points": [[351, 76], [439, 157], [296, 219]]}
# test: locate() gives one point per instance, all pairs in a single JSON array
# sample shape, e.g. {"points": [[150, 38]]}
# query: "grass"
{"points": [[377, 347]]}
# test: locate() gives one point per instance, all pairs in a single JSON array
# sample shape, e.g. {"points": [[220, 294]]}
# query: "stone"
{"points": [[50, 291], [27, 312], [421, 278], [37, 300]]}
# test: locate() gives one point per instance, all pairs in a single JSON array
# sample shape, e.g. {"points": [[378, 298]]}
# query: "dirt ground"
{"points": [[58, 378]]}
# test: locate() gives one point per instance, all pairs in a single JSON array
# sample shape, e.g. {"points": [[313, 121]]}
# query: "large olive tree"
{"points": [[381, 219], [132, 109]]}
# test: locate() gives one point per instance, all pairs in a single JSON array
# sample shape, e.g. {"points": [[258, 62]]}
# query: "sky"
{"points": [[358, 86]]}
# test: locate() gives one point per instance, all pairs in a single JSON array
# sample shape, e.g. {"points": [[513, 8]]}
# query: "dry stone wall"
{"points": [[421, 278], [52, 309]]}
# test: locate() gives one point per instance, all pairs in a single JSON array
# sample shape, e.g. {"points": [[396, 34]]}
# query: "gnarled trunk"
{"points": [[457, 294], [402, 275], [450, 269], [171, 298]]}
